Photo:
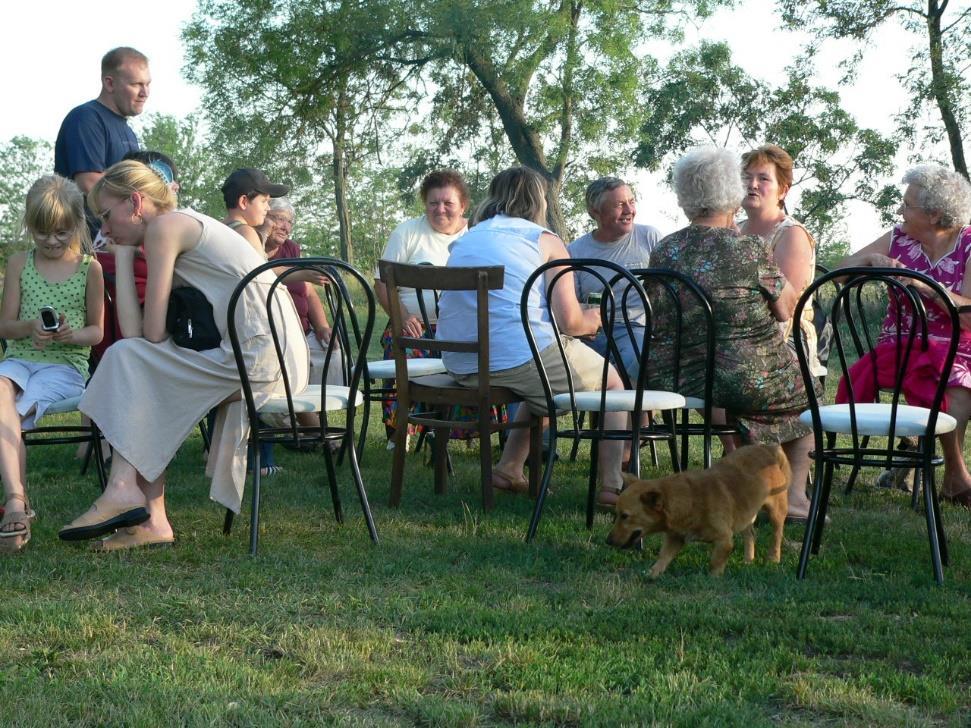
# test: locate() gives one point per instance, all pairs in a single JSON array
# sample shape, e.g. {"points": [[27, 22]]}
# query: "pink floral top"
{"points": [[948, 270]]}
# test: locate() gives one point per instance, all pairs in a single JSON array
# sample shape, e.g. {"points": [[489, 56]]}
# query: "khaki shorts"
{"points": [[586, 365]]}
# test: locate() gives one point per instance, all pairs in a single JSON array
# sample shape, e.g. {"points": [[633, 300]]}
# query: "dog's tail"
{"points": [[783, 462]]}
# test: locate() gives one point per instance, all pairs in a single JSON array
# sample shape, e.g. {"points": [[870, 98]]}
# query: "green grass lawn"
{"points": [[453, 620]]}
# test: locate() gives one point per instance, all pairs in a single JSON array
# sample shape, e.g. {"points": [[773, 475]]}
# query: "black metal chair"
{"points": [[673, 299], [634, 400], [384, 370], [353, 325], [70, 435], [884, 362]]}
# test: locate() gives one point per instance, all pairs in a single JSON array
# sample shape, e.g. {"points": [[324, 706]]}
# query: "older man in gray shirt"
{"points": [[611, 204]]}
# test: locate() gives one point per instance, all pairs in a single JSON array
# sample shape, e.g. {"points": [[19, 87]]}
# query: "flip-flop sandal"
{"points": [[962, 499], [112, 517], [501, 481]]}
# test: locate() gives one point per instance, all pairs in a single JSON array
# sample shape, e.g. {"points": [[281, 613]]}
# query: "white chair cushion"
{"points": [[65, 405], [309, 400], [873, 418], [694, 403], [621, 400], [384, 368]]}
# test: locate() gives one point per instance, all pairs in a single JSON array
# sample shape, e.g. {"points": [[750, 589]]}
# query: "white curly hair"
{"points": [[708, 180], [943, 191]]}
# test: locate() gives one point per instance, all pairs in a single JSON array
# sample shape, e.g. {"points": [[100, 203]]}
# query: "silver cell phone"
{"points": [[49, 320]]}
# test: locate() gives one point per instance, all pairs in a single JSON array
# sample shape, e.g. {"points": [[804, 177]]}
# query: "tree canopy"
{"points": [[940, 60], [702, 97]]}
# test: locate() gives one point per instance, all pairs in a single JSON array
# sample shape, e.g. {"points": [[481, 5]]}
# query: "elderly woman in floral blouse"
{"points": [[935, 238], [757, 379]]}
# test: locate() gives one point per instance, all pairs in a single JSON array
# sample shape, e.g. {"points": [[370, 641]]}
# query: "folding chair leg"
{"points": [[100, 466], [807, 538], [535, 459], [335, 496], [592, 482], [918, 480], [99, 460], [941, 537], [576, 440], [206, 438], [485, 462], [685, 418], [362, 494], [88, 453], [440, 460], [228, 522], [933, 532], [543, 488], [398, 464], [365, 421], [420, 442], [254, 518], [824, 506]]}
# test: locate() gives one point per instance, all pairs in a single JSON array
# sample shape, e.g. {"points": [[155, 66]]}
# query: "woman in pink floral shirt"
{"points": [[935, 238]]}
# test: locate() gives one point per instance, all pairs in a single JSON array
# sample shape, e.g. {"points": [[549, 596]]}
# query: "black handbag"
{"points": [[190, 321]]}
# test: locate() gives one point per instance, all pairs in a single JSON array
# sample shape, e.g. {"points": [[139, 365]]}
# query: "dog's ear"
{"points": [[629, 478], [651, 499]]}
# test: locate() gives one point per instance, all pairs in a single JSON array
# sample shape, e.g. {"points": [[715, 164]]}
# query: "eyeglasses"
{"points": [[106, 215], [61, 236]]}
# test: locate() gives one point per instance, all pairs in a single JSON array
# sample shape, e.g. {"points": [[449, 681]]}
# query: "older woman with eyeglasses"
{"points": [[935, 238]]}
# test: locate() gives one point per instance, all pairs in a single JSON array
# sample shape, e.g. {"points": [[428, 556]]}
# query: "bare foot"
{"points": [[952, 485]]}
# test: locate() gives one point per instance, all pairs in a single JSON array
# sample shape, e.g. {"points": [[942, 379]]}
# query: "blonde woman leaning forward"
{"points": [[148, 394]]}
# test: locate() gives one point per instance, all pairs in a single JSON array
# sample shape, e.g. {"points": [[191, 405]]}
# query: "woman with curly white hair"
{"points": [[935, 238], [757, 379]]}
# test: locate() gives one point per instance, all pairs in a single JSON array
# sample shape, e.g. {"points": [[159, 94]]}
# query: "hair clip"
{"points": [[163, 170]]}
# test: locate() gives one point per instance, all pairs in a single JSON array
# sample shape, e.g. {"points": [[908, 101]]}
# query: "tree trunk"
{"points": [[525, 142], [339, 170], [939, 87]]}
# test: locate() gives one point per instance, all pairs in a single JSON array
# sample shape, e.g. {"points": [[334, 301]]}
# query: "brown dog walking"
{"points": [[707, 505]]}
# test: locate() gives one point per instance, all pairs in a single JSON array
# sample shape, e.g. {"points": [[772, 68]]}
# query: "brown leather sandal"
{"points": [[14, 539]]}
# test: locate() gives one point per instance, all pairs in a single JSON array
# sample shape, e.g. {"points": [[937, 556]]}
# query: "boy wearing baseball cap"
{"points": [[247, 194]]}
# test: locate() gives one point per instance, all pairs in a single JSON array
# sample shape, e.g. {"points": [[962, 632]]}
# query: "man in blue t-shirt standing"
{"points": [[95, 135]]}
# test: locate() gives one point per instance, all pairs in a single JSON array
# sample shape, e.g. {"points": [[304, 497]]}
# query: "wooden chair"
{"points": [[438, 393], [636, 399], [878, 415], [352, 325]]}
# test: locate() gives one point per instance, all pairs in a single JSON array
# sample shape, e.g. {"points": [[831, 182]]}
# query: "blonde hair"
{"points": [[53, 204], [516, 192], [123, 178]]}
